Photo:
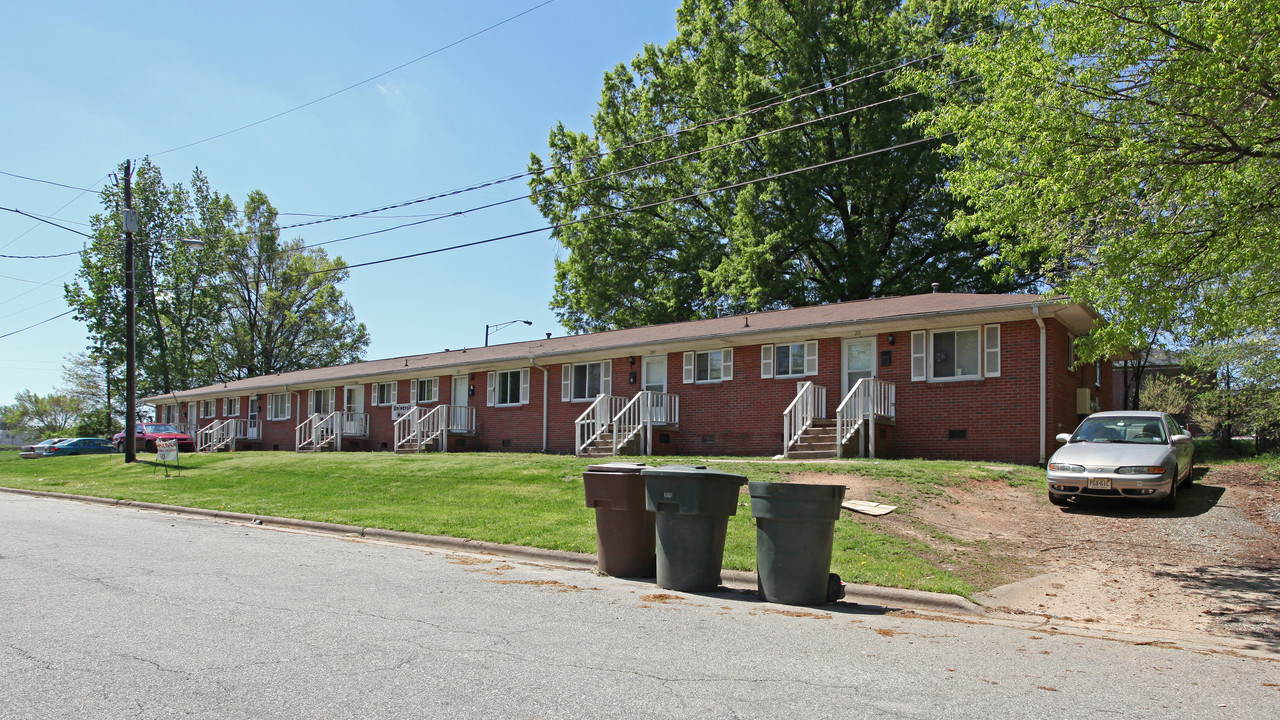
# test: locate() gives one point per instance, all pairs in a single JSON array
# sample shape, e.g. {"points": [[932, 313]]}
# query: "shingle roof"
{"points": [[875, 312]]}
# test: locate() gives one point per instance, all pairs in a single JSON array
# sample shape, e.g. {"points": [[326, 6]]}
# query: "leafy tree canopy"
{"points": [[747, 91], [243, 304], [47, 416], [1134, 146]]}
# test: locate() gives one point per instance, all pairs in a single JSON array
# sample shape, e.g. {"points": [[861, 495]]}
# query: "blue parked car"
{"points": [[79, 446]]}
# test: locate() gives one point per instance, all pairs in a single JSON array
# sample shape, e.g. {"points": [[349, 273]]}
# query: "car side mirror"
{"points": [[1180, 439], [1063, 437]]}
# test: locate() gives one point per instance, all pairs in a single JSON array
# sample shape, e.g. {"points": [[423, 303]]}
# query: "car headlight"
{"points": [[1066, 467], [1140, 470]]}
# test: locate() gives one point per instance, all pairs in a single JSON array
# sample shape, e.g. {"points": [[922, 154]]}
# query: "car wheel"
{"points": [[1057, 499], [149, 446], [119, 447], [1170, 501]]}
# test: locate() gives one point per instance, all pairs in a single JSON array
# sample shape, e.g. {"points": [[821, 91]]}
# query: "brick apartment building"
{"points": [[941, 375]]}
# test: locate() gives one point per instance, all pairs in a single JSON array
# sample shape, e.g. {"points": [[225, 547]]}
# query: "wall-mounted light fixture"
{"points": [[890, 338]]}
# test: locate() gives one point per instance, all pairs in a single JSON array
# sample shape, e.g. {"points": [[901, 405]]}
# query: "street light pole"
{"points": [[499, 326]]}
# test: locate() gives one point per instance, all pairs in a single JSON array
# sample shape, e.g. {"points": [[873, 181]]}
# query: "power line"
{"points": [[46, 182], [358, 84], [570, 223], [42, 322]]}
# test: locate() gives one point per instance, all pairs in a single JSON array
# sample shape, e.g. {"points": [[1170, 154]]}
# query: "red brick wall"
{"points": [[994, 418]]}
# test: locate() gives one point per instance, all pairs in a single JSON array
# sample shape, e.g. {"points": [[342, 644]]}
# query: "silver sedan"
{"points": [[1129, 454]]}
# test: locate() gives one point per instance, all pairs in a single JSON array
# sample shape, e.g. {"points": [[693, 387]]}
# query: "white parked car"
{"points": [[1122, 454]]}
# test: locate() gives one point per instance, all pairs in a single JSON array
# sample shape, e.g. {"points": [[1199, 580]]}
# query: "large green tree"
{"points": [[282, 309], [671, 126], [176, 289], [243, 304], [47, 416], [1134, 146]]}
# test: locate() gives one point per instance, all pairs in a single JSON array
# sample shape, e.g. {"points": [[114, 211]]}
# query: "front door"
{"points": [[654, 379], [254, 431], [353, 411], [859, 362], [459, 398]]}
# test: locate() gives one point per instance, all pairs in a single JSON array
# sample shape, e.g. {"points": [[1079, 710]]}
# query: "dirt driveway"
{"points": [[1212, 565]]}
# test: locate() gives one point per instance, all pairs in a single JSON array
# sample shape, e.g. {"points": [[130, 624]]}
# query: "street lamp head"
{"points": [[193, 243]]}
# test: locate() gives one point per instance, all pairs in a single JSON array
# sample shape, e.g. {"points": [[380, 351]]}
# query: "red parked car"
{"points": [[149, 433]]}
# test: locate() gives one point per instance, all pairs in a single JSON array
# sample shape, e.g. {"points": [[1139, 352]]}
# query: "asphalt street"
{"points": [[111, 612]]}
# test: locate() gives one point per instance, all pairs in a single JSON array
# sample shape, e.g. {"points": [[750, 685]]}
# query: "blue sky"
{"points": [[89, 84]]}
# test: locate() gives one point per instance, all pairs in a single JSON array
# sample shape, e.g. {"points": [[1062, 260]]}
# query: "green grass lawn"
{"points": [[519, 499]]}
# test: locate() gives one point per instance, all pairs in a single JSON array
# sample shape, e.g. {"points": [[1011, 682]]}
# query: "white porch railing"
{"points": [[354, 424], [249, 429], [419, 427], [810, 403], [320, 431], [870, 398], [406, 431], [637, 418], [462, 418], [595, 420], [216, 436]]}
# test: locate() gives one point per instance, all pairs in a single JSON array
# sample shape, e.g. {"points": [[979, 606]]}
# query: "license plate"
{"points": [[1099, 483]]}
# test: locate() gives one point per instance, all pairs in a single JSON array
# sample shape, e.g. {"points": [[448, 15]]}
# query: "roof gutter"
{"points": [[1043, 353], [534, 362]]}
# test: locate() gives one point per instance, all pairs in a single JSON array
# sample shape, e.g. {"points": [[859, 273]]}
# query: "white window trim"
{"points": [[226, 407], [988, 352], [491, 391], [271, 407], [769, 364], [373, 393], [691, 368], [416, 384], [920, 352], [959, 378], [566, 380], [211, 406]]}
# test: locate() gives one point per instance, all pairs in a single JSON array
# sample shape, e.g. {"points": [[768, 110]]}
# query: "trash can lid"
{"points": [[692, 471], [616, 467]]}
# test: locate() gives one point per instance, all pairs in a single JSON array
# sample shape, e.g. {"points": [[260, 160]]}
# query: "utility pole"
{"points": [[130, 221]]}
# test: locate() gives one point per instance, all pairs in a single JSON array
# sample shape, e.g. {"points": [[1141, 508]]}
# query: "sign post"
{"points": [[167, 452]]}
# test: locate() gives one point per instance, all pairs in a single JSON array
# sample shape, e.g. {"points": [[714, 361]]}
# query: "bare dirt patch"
{"points": [[1211, 565]]}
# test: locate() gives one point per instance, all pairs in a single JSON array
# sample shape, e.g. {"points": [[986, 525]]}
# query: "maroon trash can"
{"points": [[625, 544]]}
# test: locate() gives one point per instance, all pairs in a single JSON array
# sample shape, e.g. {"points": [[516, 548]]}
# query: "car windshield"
{"points": [[1121, 429], [159, 428]]}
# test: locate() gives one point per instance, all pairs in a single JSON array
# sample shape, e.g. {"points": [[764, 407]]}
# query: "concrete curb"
{"points": [[737, 579]]}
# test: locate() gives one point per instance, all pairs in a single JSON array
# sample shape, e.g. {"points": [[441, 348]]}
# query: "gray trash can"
{"points": [[795, 529], [693, 506]]}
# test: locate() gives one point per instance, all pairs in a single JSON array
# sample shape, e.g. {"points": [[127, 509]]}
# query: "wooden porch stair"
{"points": [[818, 442]]}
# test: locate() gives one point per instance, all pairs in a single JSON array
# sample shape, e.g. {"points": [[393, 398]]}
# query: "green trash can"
{"points": [[624, 525], [795, 529], [693, 505]]}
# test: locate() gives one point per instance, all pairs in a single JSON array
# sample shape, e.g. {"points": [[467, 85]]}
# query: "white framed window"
{"points": [[322, 401], [231, 407], [169, 414], [383, 393], [584, 382], [991, 350], [208, 408], [278, 406], [425, 390], [955, 354], [508, 388], [707, 366], [789, 361]]}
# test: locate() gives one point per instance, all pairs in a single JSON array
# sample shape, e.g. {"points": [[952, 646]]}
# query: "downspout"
{"points": [[534, 363], [1040, 321]]}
